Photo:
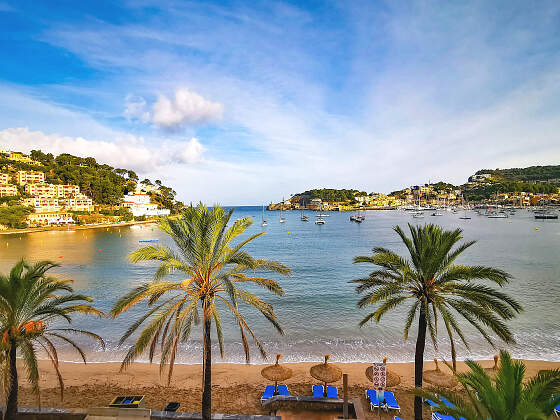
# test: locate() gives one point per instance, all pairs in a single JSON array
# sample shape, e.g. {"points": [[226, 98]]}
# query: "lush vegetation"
{"points": [[505, 397], [331, 195], [435, 289], [14, 215], [102, 183], [532, 173], [214, 271], [489, 190], [34, 308]]}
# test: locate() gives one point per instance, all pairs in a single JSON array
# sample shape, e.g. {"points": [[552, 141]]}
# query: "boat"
{"points": [[263, 221], [464, 217], [437, 213], [418, 214], [497, 215], [282, 220], [320, 221], [303, 217], [323, 215], [545, 215]]}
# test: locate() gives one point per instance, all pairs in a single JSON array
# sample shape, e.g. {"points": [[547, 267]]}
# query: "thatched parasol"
{"points": [[492, 371], [276, 373], [438, 378], [392, 378], [325, 373]]}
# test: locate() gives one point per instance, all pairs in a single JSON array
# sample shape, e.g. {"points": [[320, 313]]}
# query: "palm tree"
{"points": [[435, 288], [33, 306], [504, 398], [213, 272]]}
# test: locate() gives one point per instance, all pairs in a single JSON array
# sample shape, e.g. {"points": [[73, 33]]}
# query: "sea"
{"points": [[318, 312]]}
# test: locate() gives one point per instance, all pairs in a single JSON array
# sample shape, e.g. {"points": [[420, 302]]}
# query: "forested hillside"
{"points": [[549, 173]]}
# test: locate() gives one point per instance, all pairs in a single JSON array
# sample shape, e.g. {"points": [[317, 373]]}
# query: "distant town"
{"points": [[535, 186]]}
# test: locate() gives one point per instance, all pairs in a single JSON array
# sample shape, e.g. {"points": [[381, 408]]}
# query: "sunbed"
{"points": [[397, 418], [269, 391], [318, 391], [371, 396], [391, 402], [557, 410], [439, 416], [332, 392]]}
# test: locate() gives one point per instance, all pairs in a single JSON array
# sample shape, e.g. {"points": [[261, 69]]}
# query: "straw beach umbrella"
{"points": [[392, 378], [276, 373], [325, 373], [438, 378]]}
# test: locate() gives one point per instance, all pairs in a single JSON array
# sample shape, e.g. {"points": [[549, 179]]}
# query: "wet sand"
{"points": [[236, 388]]}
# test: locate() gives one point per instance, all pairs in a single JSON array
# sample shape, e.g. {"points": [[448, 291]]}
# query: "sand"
{"points": [[236, 387]]}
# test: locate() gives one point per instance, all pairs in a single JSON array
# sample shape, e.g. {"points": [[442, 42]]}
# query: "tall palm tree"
{"points": [[213, 271], [33, 308], [504, 397], [435, 288]]}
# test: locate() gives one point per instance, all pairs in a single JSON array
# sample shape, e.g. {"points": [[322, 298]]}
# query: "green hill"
{"points": [[103, 183], [550, 173]]}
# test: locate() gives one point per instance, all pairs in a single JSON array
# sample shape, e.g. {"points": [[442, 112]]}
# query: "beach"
{"points": [[73, 228], [236, 388]]}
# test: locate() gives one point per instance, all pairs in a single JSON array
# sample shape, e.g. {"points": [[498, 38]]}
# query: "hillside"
{"points": [[550, 173], [103, 183]]}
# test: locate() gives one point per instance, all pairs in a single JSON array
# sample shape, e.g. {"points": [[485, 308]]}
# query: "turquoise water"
{"points": [[318, 312]]}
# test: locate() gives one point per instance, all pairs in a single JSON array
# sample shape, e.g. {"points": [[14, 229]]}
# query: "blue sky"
{"points": [[245, 102]]}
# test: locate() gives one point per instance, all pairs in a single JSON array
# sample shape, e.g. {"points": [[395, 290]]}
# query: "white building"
{"points": [[139, 205]]}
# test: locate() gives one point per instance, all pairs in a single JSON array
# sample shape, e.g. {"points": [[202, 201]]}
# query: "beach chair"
{"points": [[332, 392], [283, 390], [439, 416], [447, 402], [371, 396], [391, 402], [268, 393], [397, 418], [431, 403], [318, 391], [557, 410]]}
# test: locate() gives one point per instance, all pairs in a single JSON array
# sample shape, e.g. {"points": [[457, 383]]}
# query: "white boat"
{"points": [[319, 221], [437, 213], [418, 214], [303, 217], [323, 215], [497, 215], [263, 221]]}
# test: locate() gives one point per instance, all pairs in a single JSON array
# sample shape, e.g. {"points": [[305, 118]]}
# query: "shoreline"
{"points": [[66, 228], [236, 388]]}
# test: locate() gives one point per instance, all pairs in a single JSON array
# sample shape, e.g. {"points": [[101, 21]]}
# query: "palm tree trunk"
{"points": [[207, 370], [12, 403], [453, 354], [419, 362]]}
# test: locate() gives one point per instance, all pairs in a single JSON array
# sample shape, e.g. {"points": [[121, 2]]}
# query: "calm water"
{"points": [[318, 312]]}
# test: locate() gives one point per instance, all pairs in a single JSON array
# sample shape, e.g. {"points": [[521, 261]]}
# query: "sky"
{"points": [[247, 102]]}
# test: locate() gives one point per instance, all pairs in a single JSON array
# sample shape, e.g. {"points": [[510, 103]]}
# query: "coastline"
{"points": [[236, 387], [66, 228]]}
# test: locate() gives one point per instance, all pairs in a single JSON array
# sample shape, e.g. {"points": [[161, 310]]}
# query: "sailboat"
{"points": [[304, 218], [465, 217], [282, 220], [263, 221], [418, 214]]}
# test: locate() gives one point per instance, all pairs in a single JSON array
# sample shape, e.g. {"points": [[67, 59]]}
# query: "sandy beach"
{"points": [[236, 387], [84, 227]]}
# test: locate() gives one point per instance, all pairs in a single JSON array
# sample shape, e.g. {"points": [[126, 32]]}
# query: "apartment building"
{"points": [[4, 178], [48, 190], [42, 204], [79, 202], [30, 177], [8, 190], [20, 157], [66, 190]]}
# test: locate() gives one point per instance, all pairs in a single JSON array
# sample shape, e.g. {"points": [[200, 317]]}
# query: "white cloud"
{"points": [[135, 108], [127, 151], [192, 152], [186, 108]]}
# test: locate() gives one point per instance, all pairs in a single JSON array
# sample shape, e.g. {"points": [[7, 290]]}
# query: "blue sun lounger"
{"points": [[397, 418], [318, 391], [431, 403], [391, 402], [371, 396], [557, 410], [439, 416], [332, 392], [269, 391]]}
